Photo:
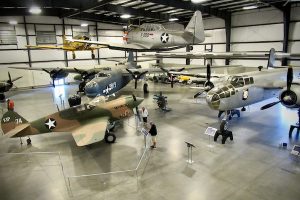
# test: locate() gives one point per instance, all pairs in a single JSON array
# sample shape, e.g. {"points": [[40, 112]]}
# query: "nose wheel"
{"points": [[109, 137]]}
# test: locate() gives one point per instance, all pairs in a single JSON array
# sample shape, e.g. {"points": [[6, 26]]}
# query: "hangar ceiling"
{"points": [[156, 11]]}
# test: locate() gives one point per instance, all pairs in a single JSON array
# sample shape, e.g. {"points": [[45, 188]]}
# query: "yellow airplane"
{"points": [[70, 46]]}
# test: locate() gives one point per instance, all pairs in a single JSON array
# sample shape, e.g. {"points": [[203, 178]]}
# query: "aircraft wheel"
{"points": [[223, 126], [93, 56], [110, 138], [145, 88], [2, 97], [155, 79], [73, 56], [28, 141]]}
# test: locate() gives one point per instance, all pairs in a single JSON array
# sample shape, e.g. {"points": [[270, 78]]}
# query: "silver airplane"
{"points": [[155, 37]]}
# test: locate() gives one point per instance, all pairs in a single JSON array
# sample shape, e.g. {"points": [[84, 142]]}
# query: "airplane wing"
{"points": [[44, 47], [69, 70], [221, 55], [92, 132], [118, 46]]}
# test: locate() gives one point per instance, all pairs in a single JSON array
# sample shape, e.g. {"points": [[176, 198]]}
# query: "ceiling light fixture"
{"points": [[173, 19], [249, 7], [84, 24], [13, 22], [35, 10], [198, 1], [125, 16]]}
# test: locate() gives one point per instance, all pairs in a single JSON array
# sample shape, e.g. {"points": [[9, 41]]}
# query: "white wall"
{"points": [[17, 55]]}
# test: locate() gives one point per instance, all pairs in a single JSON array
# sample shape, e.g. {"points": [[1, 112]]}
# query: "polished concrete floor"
{"points": [[252, 166]]}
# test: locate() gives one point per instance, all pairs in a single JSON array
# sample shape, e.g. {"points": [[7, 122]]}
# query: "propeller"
{"points": [[10, 80], [136, 75], [53, 74], [208, 84], [288, 97]]}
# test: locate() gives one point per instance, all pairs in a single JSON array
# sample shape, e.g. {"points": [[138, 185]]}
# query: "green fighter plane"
{"points": [[87, 122]]}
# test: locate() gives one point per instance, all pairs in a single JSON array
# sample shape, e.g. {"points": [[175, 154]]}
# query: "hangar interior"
{"points": [[252, 166]]}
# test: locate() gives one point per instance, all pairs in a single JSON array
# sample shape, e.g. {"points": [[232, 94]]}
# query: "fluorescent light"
{"points": [[84, 24], [13, 22], [125, 16], [249, 7], [173, 19], [35, 10], [198, 1]]}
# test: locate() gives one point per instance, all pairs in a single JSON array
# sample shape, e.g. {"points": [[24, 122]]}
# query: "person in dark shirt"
{"points": [[153, 133]]}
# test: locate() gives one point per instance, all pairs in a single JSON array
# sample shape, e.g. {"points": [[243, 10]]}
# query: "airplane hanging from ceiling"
{"points": [[155, 37], [70, 46]]}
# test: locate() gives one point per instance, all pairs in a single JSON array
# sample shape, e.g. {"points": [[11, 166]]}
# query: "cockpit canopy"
{"points": [[151, 27], [240, 81]]}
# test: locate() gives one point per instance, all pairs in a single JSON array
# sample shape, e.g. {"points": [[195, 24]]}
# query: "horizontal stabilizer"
{"points": [[16, 130]]}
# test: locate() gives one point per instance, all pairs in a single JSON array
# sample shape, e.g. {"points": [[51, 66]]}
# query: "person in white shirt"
{"points": [[144, 114]]}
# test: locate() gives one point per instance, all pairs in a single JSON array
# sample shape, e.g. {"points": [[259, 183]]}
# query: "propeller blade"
{"points": [[13, 80], [135, 83], [9, 77], [198, 94], [172, 81], [208, 72], [46, 71], [269, 105], [289, 78]]}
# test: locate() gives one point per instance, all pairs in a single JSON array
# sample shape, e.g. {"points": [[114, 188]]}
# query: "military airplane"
{"points": [[155, 37], [87, 122], [6, 85], [70, 46]]}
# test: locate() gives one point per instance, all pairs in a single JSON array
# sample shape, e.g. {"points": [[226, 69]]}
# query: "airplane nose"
{"points": [[213, 100], [91, 89]]}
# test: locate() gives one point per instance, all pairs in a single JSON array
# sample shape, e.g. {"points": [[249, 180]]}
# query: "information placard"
{"points": [[210, 131]]}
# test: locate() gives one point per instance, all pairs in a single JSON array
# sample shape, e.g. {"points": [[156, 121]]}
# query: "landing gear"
{"points": [[21, 142], [28, 141], [145, 88], [93, 56], [2, 97], [73, 55], [297, 126], [243, 109], [81, 86], [109, 137], [230, 113]]}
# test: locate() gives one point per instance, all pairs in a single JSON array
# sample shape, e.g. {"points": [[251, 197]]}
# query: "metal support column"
{"points": [[98, 51], [63, 35], [286, 30], [188, 60], [27, 41], [228, 34]]}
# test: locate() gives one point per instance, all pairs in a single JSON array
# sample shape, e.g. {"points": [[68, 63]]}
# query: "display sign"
{"points": [[145, 132], [210, 131], [296, 150]]}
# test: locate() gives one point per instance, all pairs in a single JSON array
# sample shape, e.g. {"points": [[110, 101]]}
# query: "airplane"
{"points": [[6, 85], [229, 92], [70, 46], [88, 122], [155, 37]]}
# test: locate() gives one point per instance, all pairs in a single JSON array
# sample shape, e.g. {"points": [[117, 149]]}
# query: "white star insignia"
{"points": [[50, 123], [106, 91], [164, 37]]}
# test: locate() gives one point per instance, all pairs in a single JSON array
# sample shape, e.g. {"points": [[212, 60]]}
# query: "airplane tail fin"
{"points": [[271, 60], [11, 120], [130, 58], [196, 27], [130, 61]]}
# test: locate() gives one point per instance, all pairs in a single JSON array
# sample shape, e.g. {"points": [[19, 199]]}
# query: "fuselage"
{"points": [[246, 89], [107, 84], [72, 118], [155, 36]]}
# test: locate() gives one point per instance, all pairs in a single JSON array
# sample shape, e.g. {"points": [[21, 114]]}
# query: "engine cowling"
{"points": [[291, 98]]}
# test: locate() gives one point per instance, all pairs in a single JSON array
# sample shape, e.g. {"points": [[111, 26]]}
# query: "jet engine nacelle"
{"points": [[291, 98]]}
